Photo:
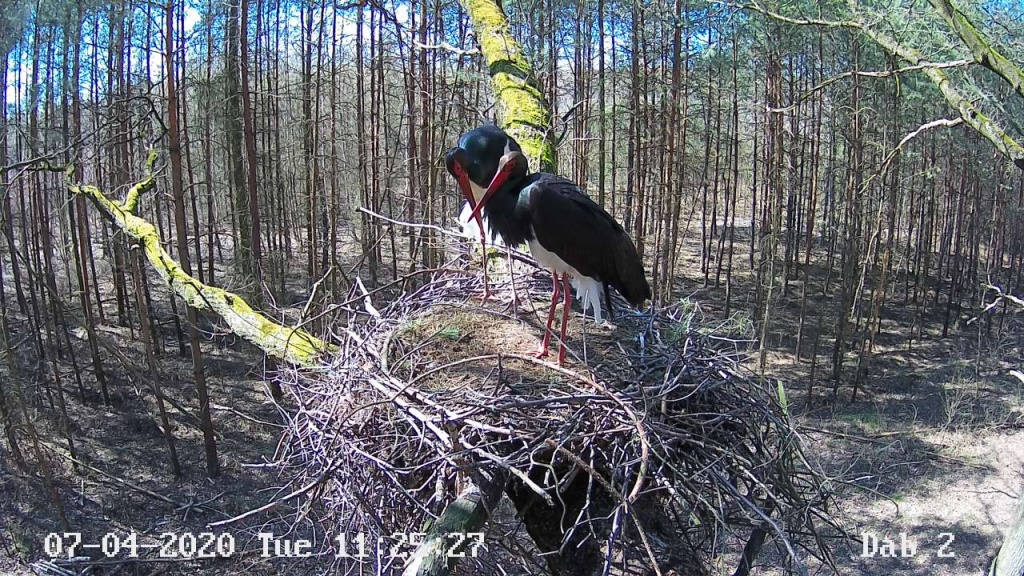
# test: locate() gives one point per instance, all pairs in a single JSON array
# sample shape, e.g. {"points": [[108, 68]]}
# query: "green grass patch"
{"points": [[869, 420], [451, 333]]}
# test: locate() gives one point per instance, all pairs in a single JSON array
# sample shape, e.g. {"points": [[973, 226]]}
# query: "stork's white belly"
{"points": [[469, 226], [588, 290]]}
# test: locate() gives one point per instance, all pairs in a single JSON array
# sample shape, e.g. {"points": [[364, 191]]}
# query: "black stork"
{"points": [[473, 163], [566, 231]]}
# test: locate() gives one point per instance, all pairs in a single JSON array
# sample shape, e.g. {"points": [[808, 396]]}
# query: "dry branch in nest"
{"points": [[644, 462]]}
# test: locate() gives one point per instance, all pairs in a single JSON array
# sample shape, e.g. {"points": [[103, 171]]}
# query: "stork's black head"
{"points": [[512, 168], [475, 161]]}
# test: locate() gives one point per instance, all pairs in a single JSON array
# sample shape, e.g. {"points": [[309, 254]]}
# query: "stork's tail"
{"points": [[588, 292]]}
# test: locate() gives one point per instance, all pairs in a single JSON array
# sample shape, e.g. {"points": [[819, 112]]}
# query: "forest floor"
{"points": [[930, 453], [122, 483], [932, 447]]}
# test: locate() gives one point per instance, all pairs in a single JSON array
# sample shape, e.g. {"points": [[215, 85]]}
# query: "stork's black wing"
{"points": [[568, 223]]}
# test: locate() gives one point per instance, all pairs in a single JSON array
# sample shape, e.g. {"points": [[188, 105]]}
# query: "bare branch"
{"points": [[1007, 295], [797, 21], [971, 114], [941, 122], [876, 74], [447, 47]]}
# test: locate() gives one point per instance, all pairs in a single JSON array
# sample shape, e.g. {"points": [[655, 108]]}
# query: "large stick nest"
{"points": [[660, 449]]}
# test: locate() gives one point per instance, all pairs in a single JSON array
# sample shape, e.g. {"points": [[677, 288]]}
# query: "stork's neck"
{"points": [[512, 187], [502, 205], [505, 216]]}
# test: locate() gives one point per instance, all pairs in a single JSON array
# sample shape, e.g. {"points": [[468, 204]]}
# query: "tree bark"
{"points": [[244, 262], [249, 136], [1010, 559], [181, 230], [522, 109]]}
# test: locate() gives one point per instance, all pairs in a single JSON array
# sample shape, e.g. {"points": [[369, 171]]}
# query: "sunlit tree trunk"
{"points": [[8, 407], [178, 192], [252, 204], [243, 248], [79, 219]]}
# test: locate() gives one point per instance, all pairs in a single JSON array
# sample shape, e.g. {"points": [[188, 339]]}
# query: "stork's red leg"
{"points": [[567, 304], [483, 245], [555, 290]]}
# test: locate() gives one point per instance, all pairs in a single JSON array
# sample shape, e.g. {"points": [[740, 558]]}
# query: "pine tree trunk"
{"points": [[181, 227]]}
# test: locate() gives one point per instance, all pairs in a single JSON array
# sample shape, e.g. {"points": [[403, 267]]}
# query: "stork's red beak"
{"points": [[506, 166], [463, 181]]}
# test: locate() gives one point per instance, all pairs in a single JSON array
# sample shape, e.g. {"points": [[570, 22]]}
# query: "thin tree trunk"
{"points": [[252, 205], [243, 249], [177, 188], [153, 380]]}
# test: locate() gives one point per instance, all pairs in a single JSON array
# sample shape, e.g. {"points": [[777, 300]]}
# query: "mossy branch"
{"points": [[522, 109], [971, 114], [448, 538], [1009, 147], [293, 345], [982, 51]]}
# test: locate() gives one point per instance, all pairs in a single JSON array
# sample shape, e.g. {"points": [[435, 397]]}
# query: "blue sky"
{"points": [[193, 16]]}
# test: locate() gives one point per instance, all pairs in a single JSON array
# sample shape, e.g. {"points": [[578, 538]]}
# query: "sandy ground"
{"points": [[950, 515]]}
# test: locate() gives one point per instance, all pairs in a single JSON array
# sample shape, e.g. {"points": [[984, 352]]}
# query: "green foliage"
{"points": [[12, 26], [687, 311], [739, 326], [24, 541], [412, 327], [869, 421], [691, 322], [451, 333], [780, 391]]}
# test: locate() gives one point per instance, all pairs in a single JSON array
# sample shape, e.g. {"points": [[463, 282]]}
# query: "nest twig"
{"points": [[652, 457]]}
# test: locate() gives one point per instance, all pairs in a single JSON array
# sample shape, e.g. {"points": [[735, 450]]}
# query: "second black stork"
{"points": [[566, 231], [473, 164]]}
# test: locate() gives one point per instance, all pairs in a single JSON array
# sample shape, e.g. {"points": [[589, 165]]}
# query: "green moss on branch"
{"points": [[984, 53], [292, 345], [522, 110]]}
